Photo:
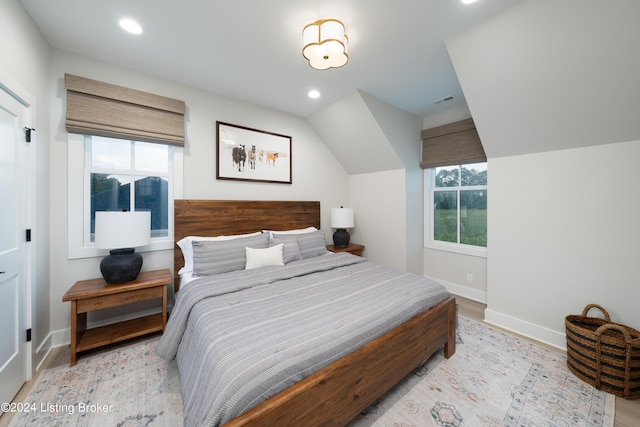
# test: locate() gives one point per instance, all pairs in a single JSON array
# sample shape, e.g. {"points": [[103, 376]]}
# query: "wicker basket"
{"points": [[604, 354]]}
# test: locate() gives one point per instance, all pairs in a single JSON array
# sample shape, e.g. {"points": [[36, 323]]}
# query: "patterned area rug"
{"points": [[494, 379], [128, 386]]}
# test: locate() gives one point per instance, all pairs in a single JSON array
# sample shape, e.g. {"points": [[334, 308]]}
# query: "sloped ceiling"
{"points": [[368, 135], [251, 49], [546, 75], [353, 135]]}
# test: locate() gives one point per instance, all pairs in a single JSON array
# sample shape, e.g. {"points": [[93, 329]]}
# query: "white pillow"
{"points": [[264, 257], [185, 244], [296, 231]]}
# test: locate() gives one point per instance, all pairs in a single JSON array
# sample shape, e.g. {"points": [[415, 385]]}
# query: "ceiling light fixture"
{"points": [[313, 94], [131, 26], [325, 44]]}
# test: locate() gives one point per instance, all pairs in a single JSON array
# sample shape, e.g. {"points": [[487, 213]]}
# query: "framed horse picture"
{"points": [[247, 154]]}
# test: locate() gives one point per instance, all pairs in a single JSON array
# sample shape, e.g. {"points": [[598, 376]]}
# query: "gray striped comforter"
{"points": [[241, 337]]}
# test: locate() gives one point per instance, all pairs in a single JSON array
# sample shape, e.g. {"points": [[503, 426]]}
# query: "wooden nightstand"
{"points": [[96, 294], [352, 248]]}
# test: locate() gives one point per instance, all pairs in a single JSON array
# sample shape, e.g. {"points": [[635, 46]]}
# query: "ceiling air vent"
{"points": [[441, 100]]}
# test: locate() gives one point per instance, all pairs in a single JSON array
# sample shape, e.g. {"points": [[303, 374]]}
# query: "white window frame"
{"points": [[78, 227], [429, 179]]}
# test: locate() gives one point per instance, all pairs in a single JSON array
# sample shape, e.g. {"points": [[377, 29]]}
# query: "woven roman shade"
{"points": [[103, 109], [453, 144]]}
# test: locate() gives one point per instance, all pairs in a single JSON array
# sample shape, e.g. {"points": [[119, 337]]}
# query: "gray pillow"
{"points": [[216, 257], [312, 244], [291, 251]]}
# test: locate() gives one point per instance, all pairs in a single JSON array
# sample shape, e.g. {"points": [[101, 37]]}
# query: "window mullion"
{"points": [[458, 212], [132, 191], [86, 195], [458, 201], [132, 178], [432, 213]]}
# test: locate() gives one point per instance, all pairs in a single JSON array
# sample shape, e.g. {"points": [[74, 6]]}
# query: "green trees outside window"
{"points": [[460, 204]]}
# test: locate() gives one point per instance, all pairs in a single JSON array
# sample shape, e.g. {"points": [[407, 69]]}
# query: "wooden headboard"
{"points": [[224, 217]]}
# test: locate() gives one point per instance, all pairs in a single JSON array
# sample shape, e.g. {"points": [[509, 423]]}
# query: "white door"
{"points": [[13, 347]]}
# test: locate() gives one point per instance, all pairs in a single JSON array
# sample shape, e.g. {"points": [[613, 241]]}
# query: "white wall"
{"points": [[402, 132], [453, 270], [563, 233], [25, 60], [374, 140], [550, 78], [317, 175], [379, 203]]}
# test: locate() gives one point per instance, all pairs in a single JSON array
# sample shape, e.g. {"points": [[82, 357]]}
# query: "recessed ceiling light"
{"points": [[131, 26], [468, 1], [314, 94]]}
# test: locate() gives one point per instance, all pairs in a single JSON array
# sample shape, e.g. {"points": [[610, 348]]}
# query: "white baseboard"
{"points": [[509, 323], [463, 291], [60, 338], [527, 329], [43, 351]]}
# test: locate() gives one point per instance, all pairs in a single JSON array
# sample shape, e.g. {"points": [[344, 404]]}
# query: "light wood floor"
{"points": [[627, 411]]}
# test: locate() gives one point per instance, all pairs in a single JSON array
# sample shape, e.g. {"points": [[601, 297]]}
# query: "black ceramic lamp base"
{"points": [[122, 265], [341, 238]]}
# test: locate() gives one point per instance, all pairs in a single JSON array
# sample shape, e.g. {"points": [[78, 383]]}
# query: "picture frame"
{"points": [[247, 154]]}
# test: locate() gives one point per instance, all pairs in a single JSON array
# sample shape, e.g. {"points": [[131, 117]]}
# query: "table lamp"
{"points": [[341, 219], [121, 233]]}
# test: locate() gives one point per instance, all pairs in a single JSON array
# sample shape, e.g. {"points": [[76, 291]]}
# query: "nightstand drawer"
{"points": [[115, 300]]}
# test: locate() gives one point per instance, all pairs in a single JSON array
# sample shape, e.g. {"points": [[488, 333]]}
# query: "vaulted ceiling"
{"points": [[538, 75], [546, 75], [252, 49]]}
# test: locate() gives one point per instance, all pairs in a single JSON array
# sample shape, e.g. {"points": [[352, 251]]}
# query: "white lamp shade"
{"points": [[117, 230], [342, 218]]}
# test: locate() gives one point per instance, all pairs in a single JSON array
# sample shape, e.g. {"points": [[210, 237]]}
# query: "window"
{"points": [[128, 175], [456, 208], [116, 174]]}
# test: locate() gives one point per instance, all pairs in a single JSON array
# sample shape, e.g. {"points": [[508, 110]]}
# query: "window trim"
{"points": [[429, 243], [77, 247]]}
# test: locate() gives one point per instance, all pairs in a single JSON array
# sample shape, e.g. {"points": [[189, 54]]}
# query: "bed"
{"points": [[347, 370]]}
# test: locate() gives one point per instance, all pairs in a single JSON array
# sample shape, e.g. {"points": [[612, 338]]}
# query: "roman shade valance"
{"points": [[453, 144], [97, 108]]}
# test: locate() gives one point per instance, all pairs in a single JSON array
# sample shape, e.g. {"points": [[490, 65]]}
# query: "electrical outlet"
{"points": [[469, 278]]}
